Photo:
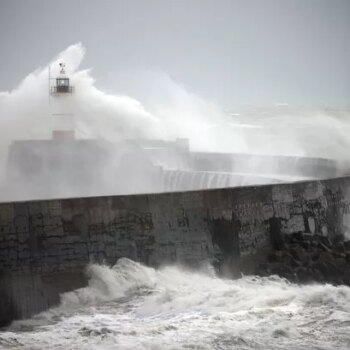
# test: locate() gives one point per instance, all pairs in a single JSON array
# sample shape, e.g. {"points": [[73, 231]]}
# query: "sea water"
{"points": [[130, 306]]}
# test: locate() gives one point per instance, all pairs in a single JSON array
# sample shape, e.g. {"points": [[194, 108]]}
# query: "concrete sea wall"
{"points": [[45, 245]]}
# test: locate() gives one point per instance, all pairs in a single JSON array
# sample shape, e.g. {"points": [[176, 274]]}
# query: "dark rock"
{"points": [[316, 238], [296, 237], [346, 277], [341, 264], [337, 280], [333, 269], [315, 255], [272, 257], [325, 257], [288, 259], [276, 256], [325, 241], [285, 269], [347, 246], [304, 275], [308, 237], [290, 276], [298, 253], [324, 247], [295, 263], [306, 245], [330, 271], [282, 256], [306, 258], [347, 258], [277, 268], [339, 247], [317, 275], [262, 269], [338, 238], [314, 244], [322, 269], [337, 255]]}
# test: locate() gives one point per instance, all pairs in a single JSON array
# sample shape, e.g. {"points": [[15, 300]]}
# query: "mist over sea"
{"points": [[130, 306], [166, 111]]}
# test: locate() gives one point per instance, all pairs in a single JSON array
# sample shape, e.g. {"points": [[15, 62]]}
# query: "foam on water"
{"points": [[130, 306]]}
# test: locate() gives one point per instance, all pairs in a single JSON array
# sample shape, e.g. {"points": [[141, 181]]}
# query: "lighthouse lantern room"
{"points": [[62, 83]]}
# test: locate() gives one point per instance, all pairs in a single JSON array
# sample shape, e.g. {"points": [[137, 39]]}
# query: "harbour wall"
{"points": [[45, 245]]}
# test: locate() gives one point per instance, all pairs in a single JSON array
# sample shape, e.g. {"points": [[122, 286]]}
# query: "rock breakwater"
{"points": [[307, 258]]}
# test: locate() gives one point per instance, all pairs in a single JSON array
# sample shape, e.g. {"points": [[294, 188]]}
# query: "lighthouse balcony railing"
{"points": [[61, 89]]}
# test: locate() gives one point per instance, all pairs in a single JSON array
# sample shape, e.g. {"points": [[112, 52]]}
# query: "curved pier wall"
{"points": [[45, 245]]}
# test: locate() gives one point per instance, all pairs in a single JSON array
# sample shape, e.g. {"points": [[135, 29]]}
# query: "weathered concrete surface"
{"points": [[44, 245]]}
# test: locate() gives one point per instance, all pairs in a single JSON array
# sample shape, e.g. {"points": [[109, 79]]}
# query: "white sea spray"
{"points": [[130, 306]]}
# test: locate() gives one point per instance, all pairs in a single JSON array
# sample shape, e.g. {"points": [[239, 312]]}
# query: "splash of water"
{"points": [[167, 111], [130, 306]]}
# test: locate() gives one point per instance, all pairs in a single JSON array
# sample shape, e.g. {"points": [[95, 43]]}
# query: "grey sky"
{"points": [[232, 52]]}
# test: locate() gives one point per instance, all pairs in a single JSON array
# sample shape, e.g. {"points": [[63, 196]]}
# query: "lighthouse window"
{"points": [[62, 82]]}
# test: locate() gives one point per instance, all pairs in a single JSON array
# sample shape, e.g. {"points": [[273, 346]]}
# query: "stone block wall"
{"points": [[44, 243]]}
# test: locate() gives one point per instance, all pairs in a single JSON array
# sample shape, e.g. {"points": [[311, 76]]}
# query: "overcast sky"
{"points": [[232, 52]]}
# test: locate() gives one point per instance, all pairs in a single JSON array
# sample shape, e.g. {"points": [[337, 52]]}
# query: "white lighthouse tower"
{"points": [[61, 106]]}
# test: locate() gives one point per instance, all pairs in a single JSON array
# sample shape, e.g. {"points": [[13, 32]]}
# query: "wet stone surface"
{"points": [[306, 258]]}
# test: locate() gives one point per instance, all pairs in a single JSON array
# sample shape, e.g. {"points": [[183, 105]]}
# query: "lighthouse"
{"points": [[60, 103]]}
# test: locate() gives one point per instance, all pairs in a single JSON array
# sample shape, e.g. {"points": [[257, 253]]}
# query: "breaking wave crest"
{"points": [[130, 306]]}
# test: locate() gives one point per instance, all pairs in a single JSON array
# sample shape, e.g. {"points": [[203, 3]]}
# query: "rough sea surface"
{"points": [[130, 306]]}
